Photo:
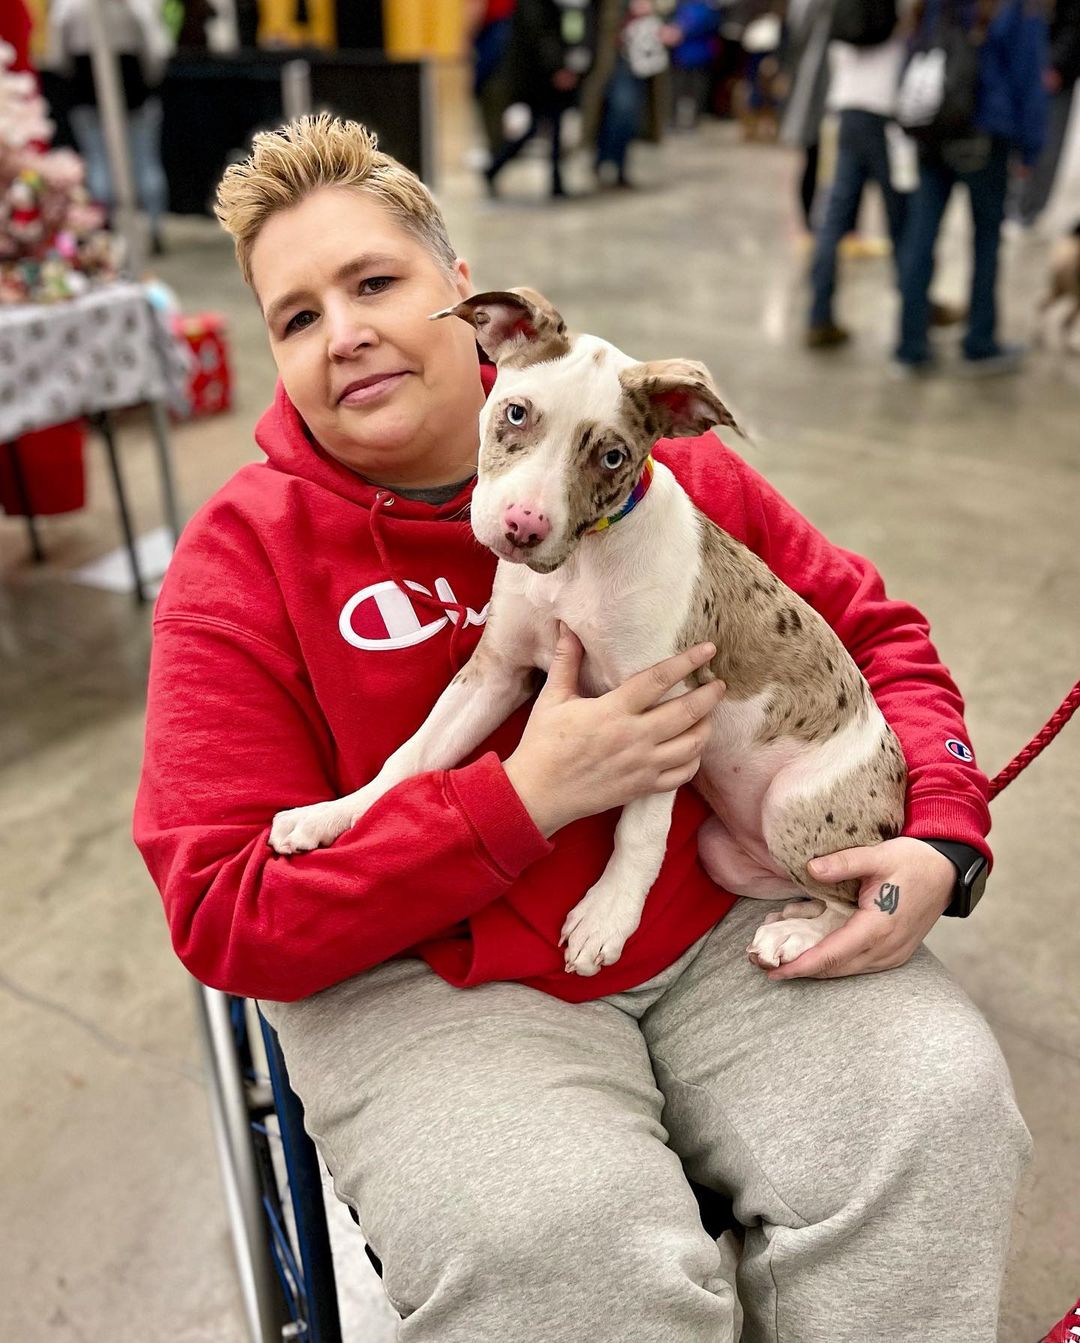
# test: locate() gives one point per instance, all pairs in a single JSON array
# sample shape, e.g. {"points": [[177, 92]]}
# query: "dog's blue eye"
{"points": [[517, 415], [613, 459]]}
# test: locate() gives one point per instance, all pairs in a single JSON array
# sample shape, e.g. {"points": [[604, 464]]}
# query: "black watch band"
{"points": [[971, 869]]}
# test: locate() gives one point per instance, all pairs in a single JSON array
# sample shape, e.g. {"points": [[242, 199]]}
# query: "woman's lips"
{"points": [[362, 396]]}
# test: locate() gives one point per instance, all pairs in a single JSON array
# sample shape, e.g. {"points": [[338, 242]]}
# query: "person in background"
{"points": [[805, 70], [862, 91], [137, 33], [1059, 80], [1010, 115], [641, 55], [490, 24], [761, 90], [692, 35], [549, 50]]}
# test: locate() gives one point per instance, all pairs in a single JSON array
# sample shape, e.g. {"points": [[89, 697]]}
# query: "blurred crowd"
{"points": [[918, 97]]}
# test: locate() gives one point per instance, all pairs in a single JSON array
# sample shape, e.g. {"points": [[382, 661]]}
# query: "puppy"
{"points": [[1064, 282], [590, 531]]}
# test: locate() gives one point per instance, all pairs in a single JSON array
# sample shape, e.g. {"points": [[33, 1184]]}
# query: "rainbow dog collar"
{"points": [[636, 495]]}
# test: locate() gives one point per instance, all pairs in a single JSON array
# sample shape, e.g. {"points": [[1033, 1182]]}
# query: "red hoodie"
{"points": [[307, 624]]}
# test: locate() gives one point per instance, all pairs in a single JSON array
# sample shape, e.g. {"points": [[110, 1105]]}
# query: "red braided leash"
{"points": [[1038, 743]]}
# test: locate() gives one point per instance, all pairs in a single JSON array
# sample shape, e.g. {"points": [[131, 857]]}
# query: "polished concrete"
{"points": [[967, 495]]}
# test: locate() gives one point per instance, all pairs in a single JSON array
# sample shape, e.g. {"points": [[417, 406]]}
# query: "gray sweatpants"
{"points": [[518, 1162]]}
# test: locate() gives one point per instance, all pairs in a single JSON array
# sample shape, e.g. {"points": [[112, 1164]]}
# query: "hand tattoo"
{"points": [[889, 898]]}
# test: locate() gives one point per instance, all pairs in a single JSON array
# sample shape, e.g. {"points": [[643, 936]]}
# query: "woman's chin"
{"points": [[383, 437]]}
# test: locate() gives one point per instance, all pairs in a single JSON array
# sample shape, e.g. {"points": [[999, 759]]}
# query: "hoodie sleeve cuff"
{"points": [[949, 818], [503, 825]]}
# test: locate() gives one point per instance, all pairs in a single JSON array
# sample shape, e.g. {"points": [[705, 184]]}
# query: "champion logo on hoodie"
{"points": [[381, 617]]}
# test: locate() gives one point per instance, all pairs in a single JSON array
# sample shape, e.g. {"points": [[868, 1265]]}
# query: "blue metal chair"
{"points": [[272, 1177]]}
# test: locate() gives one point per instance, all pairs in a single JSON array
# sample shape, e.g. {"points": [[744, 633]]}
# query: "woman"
{"points": [[515, 1138]]}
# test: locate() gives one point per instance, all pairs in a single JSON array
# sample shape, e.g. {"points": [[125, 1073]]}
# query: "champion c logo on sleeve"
{"points": [[960, 750]]}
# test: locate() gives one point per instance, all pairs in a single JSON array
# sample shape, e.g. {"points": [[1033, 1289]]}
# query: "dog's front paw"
{"points": [[596, 930], [306, 828]]}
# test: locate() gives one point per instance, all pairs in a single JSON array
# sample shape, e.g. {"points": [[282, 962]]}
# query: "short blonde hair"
{"points": [[288, 164]]}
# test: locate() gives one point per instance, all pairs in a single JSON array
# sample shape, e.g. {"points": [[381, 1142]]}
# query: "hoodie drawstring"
{"points": [[456, 612]]}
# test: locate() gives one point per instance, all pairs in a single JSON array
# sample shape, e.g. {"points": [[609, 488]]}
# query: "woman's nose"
{"points": [[347, 334]]}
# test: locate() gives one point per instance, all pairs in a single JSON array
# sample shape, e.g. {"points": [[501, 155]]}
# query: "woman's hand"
{"points": [[580, 756], [905, 887]]}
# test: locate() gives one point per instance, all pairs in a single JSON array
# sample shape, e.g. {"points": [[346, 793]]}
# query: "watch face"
{"points": [[974, 881]]}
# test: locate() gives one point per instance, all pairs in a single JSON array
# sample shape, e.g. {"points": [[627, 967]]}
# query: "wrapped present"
{"points": [[209, 388], [53, 470]]}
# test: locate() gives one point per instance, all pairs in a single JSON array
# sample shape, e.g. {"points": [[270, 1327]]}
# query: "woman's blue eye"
{"points": [[613, 459], [516, 414]]}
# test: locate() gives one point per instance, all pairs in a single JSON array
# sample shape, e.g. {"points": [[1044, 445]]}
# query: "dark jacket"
{"points": [[699, 21], [1012, 101], [1065, 40], [547, 36]]}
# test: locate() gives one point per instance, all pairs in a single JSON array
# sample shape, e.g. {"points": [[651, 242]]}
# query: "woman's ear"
{"points": [[462, 278]]}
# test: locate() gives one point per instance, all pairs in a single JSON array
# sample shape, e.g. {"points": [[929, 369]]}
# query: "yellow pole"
{"points": [[424, 28], [277, 23]]}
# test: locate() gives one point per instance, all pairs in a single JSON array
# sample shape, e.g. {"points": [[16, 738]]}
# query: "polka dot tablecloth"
{"points": [[107, 349]]}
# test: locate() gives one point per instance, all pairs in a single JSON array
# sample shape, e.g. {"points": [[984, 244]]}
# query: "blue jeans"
{"points": [[861, 157], [489, 48], [624, 104], [986, 187], [144, 145]]}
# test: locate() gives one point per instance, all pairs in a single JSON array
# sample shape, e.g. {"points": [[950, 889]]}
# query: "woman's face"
{"points": [[346, 293]]}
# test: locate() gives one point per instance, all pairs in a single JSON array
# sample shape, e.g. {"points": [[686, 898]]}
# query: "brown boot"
{"points": [[827, 336], [946, 314]]}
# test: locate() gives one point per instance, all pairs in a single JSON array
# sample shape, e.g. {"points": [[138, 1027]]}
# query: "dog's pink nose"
{"points": [[524, 527]]}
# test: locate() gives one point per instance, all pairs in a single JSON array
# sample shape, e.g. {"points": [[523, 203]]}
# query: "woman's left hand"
{"points": [[904, 888]]}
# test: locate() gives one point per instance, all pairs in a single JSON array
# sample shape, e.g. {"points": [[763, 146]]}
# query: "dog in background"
{"points": [[1064, 285], [800, 761]]}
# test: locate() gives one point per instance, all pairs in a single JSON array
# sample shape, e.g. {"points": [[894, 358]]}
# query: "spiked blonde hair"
{"points": [[288, 164]]}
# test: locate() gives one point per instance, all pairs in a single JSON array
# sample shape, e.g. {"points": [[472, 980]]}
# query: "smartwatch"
{"points": [[971, 868]]}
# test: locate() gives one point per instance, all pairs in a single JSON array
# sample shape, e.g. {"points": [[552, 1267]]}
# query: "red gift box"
{"points": [[209, 388], [53, 470]]}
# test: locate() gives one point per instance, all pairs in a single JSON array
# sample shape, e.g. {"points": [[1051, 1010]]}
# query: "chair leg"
{"points": [[236, 1156], [305, 1189]]}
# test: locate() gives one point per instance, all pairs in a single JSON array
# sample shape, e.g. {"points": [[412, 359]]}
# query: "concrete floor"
{"points": [[967, 495]]}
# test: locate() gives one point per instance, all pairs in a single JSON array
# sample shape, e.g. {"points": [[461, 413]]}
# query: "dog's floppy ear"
{"points": [[515, 327], [674, 398]]}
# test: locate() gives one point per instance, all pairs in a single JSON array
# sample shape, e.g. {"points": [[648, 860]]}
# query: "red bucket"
{"points": [[52, 467]]}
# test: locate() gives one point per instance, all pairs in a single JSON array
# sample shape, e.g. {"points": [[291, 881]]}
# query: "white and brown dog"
{"points": [[1064, 285], [800, 761]]}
